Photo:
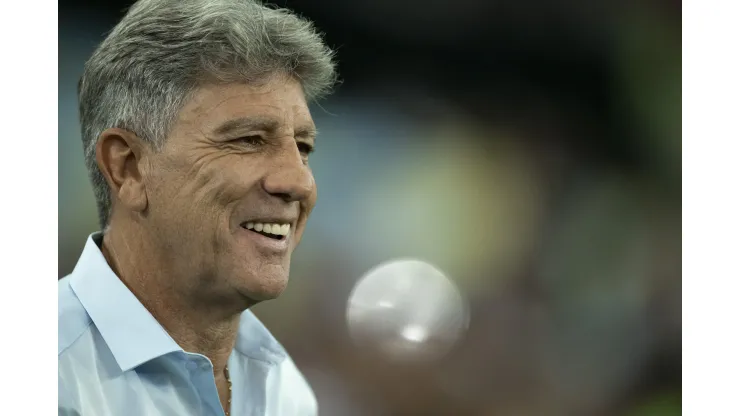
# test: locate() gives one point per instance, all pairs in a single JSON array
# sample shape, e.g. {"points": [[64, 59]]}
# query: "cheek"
{"points": [[164, 182], [219, 180]]}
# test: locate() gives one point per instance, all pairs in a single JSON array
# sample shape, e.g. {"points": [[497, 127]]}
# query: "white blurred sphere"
{"points": [[408, 310]]}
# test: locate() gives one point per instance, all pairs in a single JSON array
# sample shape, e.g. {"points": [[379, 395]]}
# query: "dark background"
{"points": [[532, 149]]}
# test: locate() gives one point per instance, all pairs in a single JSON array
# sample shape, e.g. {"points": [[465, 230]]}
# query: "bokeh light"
{"points": [[407, 310]]}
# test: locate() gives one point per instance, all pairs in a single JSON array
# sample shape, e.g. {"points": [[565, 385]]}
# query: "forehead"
{"points": [[281, 99]]}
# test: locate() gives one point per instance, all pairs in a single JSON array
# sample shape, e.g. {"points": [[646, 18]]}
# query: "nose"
{"points": [[290, 179]]}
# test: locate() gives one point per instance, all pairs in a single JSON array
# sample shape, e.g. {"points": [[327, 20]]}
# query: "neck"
{"points": [[195, 325]]}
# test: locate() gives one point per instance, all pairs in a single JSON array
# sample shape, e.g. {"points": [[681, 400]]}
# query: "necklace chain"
{"points": [[228, 400]]}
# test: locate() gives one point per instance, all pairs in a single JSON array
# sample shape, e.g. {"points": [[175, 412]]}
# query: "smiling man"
{"points": [[197, 135]]}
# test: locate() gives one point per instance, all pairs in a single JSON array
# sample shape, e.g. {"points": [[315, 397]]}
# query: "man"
{"points": [[197, 136]]}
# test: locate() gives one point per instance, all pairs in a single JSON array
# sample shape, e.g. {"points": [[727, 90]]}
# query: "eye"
{"points": [[252, 140], [305, 148]]}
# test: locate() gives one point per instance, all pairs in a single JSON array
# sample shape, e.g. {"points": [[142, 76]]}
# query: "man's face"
{"points": [[235, 162]]}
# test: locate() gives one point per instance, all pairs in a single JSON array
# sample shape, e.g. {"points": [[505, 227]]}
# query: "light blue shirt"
{"points": [[116, 359]]}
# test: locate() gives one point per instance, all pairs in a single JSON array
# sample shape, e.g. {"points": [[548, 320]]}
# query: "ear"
{"points": [[119, 154]]}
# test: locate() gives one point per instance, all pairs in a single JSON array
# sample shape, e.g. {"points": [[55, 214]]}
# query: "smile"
{"points": [[275, 231]]}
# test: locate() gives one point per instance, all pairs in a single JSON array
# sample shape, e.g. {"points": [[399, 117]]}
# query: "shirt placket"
{"points": [[201, 376]]}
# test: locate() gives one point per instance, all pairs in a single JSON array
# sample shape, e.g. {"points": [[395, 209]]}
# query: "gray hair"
{"points": [[147, 68]]}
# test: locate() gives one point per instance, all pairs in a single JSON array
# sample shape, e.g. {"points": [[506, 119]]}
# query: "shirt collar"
{"points": [[254, 340], [133, 335], [131, 332]]}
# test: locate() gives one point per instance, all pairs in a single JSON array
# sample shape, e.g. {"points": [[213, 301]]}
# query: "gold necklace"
{"points": [[228, 400]]}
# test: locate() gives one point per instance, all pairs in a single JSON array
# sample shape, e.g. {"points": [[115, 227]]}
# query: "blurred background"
{"points": [[531, 149]]}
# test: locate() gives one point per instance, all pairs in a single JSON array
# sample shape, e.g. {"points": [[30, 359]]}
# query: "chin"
{"points": [[269, 284], [269, 290]]}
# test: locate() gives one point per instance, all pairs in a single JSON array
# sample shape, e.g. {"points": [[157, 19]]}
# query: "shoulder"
{"points": [[288, 392], [291, 392], [73, 324], [294, 382], [73, 321]]}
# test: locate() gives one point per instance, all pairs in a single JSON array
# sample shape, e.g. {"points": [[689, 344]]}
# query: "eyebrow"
{"points": [[267, 124]]}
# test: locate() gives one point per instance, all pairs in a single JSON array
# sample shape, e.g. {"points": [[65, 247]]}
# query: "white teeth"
{"points": [[276, 229]]}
